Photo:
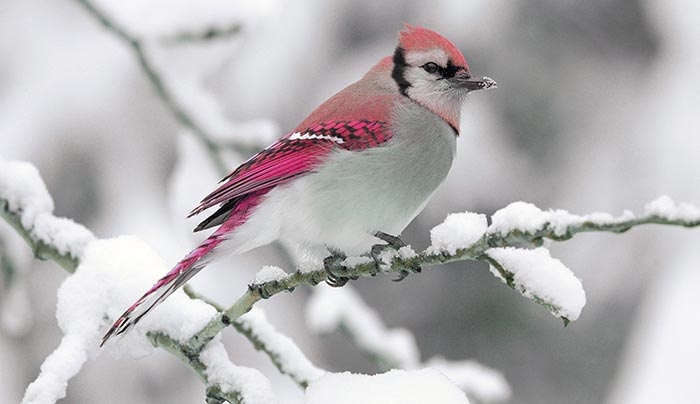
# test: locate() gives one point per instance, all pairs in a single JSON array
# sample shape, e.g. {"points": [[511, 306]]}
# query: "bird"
{"points": [[357, 170]]}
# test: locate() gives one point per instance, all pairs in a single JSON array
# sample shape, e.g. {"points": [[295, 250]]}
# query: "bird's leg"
{"points": [[395, 243], [335, 275]]}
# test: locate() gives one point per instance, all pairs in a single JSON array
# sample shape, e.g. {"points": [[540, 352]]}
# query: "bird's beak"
{"points": [[464, 80]]}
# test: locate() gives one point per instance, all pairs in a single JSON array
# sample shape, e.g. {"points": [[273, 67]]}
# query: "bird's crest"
{"points": [[413, 38]]}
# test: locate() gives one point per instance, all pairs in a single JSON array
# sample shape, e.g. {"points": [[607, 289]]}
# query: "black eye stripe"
{"points": [[398, 72], [449, 71], [445, 72]]}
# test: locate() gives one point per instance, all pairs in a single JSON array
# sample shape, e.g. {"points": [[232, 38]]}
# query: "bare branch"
{"points": [[202, 35], [138, 47]]}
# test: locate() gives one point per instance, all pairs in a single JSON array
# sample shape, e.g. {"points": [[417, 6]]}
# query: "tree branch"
{"points": [[539, 225], [70, 261], [7, 267], [552, 229], [286, 356], [138, 47], [202, 35], [215, 393], [41, 249]]}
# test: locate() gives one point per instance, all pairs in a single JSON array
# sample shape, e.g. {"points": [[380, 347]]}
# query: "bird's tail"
{"points": [[178, 276]]}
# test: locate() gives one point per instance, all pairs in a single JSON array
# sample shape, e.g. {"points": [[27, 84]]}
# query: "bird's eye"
{"points": [[430, 67]]}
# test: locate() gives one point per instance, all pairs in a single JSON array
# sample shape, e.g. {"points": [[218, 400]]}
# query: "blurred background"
{"points": [[597, 109]]}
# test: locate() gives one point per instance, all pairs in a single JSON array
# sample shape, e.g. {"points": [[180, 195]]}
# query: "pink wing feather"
{"points": [[293, 155]]}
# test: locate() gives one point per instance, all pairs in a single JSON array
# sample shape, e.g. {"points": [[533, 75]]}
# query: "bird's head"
{"points": [[431, 71]]}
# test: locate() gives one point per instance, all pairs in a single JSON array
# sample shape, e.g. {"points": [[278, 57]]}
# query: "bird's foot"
{"points": [[395, 243], [336, 276]]}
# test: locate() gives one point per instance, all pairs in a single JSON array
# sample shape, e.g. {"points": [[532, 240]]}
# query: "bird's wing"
{"points": [[291, 156]]}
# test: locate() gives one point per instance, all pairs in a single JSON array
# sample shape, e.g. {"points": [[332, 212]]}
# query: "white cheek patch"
{"points": [[423, 82], [419, 58], [311, 136]]}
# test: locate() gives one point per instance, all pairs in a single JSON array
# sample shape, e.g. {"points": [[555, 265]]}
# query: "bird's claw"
{"points": [[335, 276], [392, 242]]}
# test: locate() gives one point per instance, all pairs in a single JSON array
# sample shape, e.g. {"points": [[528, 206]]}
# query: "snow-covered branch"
{"points": [[282, 351], [466, 236], [27, 206], [225, 382], [107, 273]]}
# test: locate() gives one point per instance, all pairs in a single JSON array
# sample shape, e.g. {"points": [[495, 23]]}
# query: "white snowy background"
{"points": [[596, 110]]}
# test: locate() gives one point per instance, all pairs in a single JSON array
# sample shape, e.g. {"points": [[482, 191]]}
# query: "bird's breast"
{"points": [[356, 193]]}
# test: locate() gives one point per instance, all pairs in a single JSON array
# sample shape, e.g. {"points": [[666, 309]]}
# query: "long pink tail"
{"points": [[178, 276]]}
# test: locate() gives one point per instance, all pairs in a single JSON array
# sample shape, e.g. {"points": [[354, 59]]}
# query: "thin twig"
{"points": [[202, 35], [191, 357], [179, 112], [251, 330], [7, 267]]}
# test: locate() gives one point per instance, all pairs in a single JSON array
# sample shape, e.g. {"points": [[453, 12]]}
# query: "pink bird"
{"points": [[357, 169]]}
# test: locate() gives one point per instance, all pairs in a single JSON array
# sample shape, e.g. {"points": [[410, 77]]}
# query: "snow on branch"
{"points": [[106, 276], [538, 276], [517, 225], [282, 351], [108, 273], [27, 206]]}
